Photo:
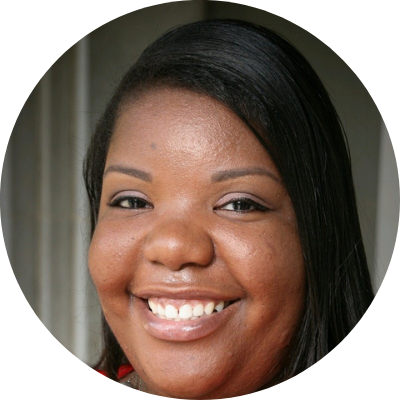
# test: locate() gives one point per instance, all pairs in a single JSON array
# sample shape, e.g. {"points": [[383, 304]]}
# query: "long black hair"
{"points": [[274, 90]]}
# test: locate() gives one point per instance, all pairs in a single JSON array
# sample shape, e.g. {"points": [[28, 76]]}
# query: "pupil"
{"points": [[136, 203], [242, 206]]}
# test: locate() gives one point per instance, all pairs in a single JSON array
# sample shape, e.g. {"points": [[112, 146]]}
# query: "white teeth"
{"points": [[153, 306], [209, 308], [160, 310], [185, 312], [171, 312], [198, 310], [220, 306]]}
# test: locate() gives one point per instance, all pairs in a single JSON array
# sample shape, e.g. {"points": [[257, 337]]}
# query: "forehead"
{"points": [[178, 125]]}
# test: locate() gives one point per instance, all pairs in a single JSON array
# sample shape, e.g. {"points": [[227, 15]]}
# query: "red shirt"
{"points": [[122, 371]]}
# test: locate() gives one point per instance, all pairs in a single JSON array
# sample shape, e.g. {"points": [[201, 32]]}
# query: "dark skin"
{"points": [[193, 205]]}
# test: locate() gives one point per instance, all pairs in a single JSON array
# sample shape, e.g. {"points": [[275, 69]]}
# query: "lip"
{"points": [[183, 293], [182, 331]]}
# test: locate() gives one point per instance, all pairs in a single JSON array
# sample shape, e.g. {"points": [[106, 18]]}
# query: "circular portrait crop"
{"points": [[199, 200]]}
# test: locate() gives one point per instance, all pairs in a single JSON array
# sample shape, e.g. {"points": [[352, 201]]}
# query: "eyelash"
{"points": [[248, 203], [117, 203], [137, 203]]}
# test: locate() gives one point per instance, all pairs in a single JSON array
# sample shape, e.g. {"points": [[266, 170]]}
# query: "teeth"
{"points": [[171, 312], [198, 310], [220, 306], [160, 310], [189, 311], [185, 312], [153, 306], [209, 308]]}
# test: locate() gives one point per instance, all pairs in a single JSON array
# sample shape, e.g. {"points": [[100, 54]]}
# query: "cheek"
{"points": [[269, 266], [111, 258], [266, 256]]}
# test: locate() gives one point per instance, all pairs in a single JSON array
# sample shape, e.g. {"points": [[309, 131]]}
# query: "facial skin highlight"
{"points": [[193, 210]]}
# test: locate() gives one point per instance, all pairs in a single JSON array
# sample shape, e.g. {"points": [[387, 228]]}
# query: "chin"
{"points": [[196, 384], [195, 389]]}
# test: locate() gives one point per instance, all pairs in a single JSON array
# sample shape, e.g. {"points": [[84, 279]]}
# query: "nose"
{"points": [[178, 244]]}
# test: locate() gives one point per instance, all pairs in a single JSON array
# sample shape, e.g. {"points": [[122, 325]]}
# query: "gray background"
{"points": [[43, 203]]}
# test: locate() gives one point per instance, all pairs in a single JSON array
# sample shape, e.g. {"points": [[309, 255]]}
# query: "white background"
{"points": [[34, 34]]}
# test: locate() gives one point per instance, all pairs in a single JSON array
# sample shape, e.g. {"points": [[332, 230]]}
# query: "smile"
{"points": [[184, 310], [181, 319]]}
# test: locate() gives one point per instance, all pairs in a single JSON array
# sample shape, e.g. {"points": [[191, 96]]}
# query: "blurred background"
{"points": [[43, 203]]}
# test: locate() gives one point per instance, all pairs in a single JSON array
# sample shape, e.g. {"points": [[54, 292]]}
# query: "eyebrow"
{"points": [[137, 173], [221, 176]]}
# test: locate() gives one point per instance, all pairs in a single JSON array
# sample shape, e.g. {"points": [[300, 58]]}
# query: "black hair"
{"points": [[275, 91]]}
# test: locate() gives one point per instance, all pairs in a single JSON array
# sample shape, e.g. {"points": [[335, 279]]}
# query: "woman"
{"points": [[226, 247]]}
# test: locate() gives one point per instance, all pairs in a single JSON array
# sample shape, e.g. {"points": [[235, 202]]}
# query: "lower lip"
{"points": [[183, 331]]}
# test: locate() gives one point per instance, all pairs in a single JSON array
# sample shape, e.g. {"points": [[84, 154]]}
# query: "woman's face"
{"points": [[195, 221]]}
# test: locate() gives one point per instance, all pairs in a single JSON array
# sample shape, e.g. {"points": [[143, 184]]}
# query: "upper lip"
{"points": [[184, 293]]}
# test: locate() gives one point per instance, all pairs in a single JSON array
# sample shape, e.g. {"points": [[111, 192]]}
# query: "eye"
{"points": [[243, 205], [130, 202]]}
